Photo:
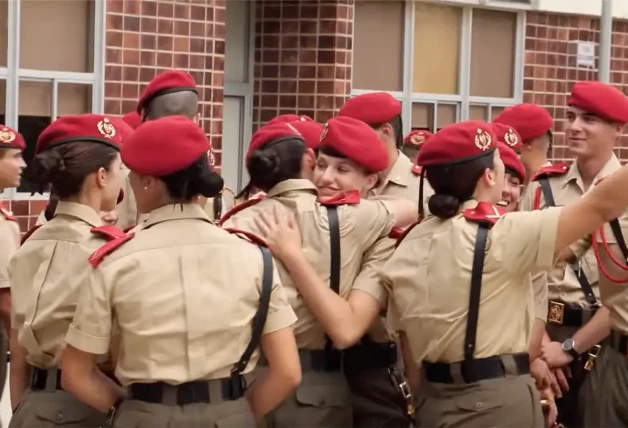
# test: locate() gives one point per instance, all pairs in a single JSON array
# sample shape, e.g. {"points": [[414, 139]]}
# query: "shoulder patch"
{"points": [[29, 233], [248, 236], [554, 170], [108, 232], [237, 208], [108, 248], [416, 169], [8, 215], [484, 213], [404, 233], [348, 198]]}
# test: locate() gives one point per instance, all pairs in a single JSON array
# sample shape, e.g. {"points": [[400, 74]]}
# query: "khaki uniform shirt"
{"points": [[182, 294], [127, 209], [563, 283], [430, 277], [48, 271], [10, 239], [402, 183], [365, 247]]}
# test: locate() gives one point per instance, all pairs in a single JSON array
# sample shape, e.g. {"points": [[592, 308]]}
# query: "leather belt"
{"points": [[471, 371], [619, 342], [568, 315], [202, 391], [320, 360], [368, 355], [50, 379]]}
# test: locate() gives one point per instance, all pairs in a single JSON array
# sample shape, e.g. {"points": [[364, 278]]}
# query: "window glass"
{"points": [[423, 116]]}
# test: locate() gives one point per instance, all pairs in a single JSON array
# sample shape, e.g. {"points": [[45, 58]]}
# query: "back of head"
{"points": [[275, 154], [169, 83], [175, 150], [183, 103]]}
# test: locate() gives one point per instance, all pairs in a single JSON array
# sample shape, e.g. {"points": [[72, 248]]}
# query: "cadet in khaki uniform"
{"points": [[413, 142], [475, 360], [126, 210], [79, 156], [183, 302], [280, 164]]}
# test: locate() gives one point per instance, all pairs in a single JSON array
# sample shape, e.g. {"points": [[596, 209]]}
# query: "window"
{"points": [[378, 45], [4, 19], [423, 116]]}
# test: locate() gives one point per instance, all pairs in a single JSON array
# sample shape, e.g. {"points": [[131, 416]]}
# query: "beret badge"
{"points": [[7, 136], [106, 128], [482, 140]]}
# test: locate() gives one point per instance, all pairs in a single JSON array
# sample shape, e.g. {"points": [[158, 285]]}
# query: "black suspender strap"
{"points": [[475, 291], [585, 285], [217, 207], [259, 320], [619, 237], [334, 264]]}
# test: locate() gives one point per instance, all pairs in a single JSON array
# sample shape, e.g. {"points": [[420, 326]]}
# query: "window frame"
{"points": [[464, 99], [13, 74]]}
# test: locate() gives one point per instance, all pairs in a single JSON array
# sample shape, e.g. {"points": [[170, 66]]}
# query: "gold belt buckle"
{"points": [[593, 353], [556, 313]]}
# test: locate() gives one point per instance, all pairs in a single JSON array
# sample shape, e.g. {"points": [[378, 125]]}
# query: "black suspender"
{"points": [[619, 237], [217, 207], [475, 291], [334, 252], [259, 320], [585, 285]]}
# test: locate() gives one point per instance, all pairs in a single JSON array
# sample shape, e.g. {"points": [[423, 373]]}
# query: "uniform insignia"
{"points": [[482, 140], [511, 138], [484, 213], [7, 214], [236, 209], [416, 169], [323, 132], [248, 236], [554, 170], [7, 136], [106, 128], [29, 233], [417, 139], [351, 197], [108, 248], [211, 159], [108, 232], [405, 233]]}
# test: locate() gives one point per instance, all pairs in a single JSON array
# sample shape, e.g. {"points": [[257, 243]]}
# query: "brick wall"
{"points": [[144, 37], [302, 57], [550, 66]]}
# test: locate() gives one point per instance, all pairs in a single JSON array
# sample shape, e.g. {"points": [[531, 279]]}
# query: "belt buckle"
{"points": [[404, 388], [556, 313]]}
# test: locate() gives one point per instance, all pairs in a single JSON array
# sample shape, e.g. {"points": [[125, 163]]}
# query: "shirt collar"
{"points": [[399, 173], [291, 185], [573, 174], [78, 211], [175, 212]]}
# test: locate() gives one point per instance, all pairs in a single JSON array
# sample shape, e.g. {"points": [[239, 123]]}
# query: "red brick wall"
{"points": [[550, 66], [302, 58]]}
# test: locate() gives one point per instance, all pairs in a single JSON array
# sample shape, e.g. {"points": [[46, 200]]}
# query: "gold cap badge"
{"points": [[211, 159], [106, 128], [417, 139], [482, 140], [7, 136], [323, 132], [511, 138]]}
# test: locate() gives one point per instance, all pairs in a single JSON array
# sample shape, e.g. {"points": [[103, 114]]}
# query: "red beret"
{"points": [[511, 160], [122, 127], [164, 146], [10, 139], [94, 128], [508, 135], [600, 99], [273, 133], [311, 132], [530, 120], [288, 118], [457, 143], [166, 83], [355, 140], [373, 108], [417, 137], [132, 119]]}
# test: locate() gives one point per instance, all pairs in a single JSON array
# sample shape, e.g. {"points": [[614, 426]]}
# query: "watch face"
{"points": [[568, 344]]}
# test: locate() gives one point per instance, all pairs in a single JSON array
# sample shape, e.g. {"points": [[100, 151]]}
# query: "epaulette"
{"points": [[405, 232], [483, 213], [108, 248], [554, 170], [237, 208], [8, 215], [416, 169], [396, 233], [351, 197], [29, 233], [248, 236], [108, 232]]}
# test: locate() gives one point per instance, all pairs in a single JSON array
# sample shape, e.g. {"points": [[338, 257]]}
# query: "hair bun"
{"points": [[444, 206], [262, 163]]}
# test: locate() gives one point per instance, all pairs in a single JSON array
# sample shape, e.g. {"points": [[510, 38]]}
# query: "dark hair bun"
{"points": [[46, 166], [444, 206], [262, 163]]}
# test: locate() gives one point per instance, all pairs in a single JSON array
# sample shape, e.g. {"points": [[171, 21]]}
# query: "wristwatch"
{"points": [[569, 348]]}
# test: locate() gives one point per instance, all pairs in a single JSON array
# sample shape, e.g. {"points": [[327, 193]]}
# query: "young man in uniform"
{"points": [[11, 166], [413, 142], [576, 320], [174, 93]]}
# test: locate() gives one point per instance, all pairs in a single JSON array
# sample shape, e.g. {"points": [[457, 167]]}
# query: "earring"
{"points": [[145, 187]]}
